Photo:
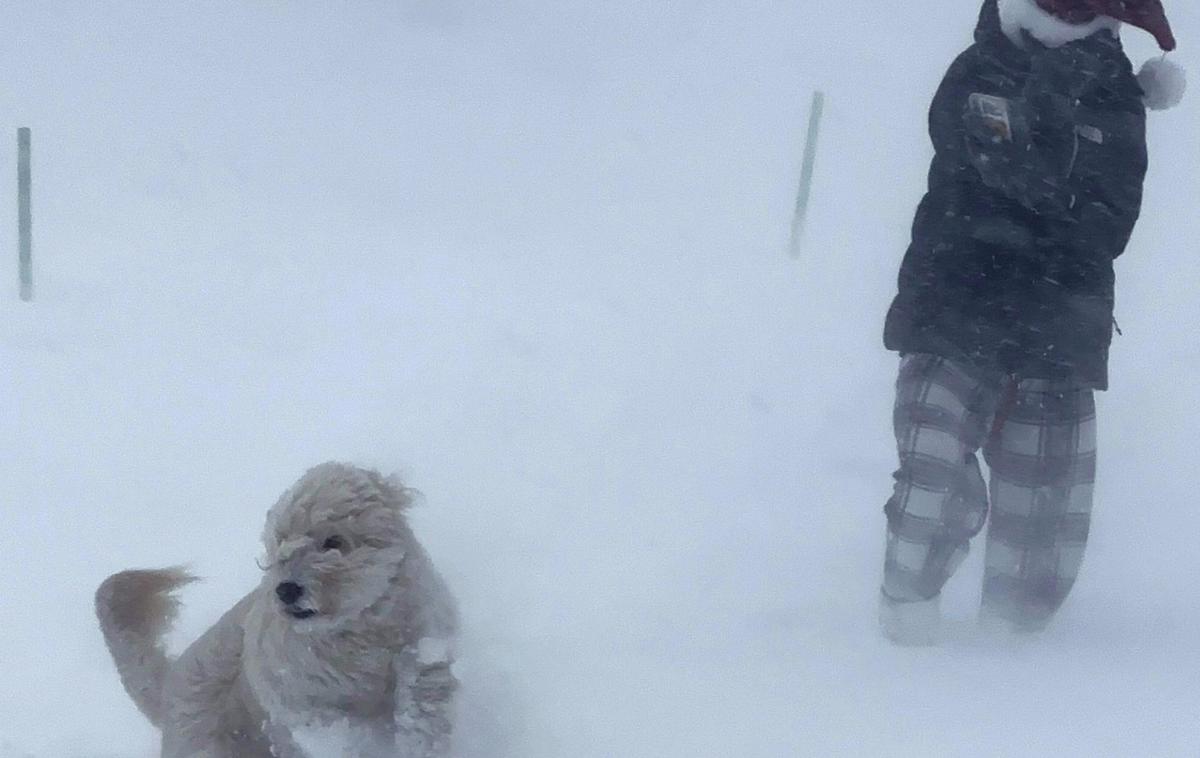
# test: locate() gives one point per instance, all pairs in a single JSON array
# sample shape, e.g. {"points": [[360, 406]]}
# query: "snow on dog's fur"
{"points": [[343, 649]]}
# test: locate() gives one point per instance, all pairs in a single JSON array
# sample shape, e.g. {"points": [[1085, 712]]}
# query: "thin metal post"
{"points": [[806, 172], [25, 213]]}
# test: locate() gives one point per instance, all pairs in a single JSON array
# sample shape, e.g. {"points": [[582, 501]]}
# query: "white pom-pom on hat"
{"points": [[1163, 82]]}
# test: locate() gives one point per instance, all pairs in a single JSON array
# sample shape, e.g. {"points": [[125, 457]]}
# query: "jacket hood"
{"points": [[989, 29]]}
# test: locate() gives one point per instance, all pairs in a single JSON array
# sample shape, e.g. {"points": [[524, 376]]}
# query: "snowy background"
{"points": [[530, 254]]}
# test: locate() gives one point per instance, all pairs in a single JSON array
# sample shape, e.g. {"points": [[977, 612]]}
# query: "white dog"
{"points": [[344, 649]]}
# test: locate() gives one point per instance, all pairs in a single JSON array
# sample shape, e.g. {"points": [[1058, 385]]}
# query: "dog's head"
{"points": [[335, 543]]}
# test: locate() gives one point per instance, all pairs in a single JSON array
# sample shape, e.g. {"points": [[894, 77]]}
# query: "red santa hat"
{"points": [[1144, 14]]}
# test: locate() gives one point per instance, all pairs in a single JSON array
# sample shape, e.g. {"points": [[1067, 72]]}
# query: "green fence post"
{"points": [[24, 213], [806, 172]]}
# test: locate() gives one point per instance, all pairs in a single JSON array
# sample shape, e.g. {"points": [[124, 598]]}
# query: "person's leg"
{"points": [[942, 412], [1043, 464]]}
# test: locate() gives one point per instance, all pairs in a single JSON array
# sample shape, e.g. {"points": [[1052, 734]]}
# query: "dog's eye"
{"points": [[333, 543]]}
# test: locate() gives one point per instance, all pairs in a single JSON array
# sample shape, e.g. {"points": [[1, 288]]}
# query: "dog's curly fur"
{"points": [[345, 648]]}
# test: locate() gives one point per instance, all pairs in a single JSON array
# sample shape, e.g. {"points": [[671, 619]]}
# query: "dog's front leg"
{"points": [[282, 744], [424, 716]]}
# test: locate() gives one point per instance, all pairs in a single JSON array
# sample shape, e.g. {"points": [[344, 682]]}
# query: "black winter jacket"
{"points": [[1015, 271]]}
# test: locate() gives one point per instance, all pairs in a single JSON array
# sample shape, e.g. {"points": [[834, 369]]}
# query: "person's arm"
{"points": [[1109, 177]]}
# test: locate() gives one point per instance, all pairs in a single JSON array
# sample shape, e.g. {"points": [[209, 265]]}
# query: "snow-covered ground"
{"points": [[531, 255]]}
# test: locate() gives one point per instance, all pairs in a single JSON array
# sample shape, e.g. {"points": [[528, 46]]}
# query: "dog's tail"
{"points": [[136, 608]]}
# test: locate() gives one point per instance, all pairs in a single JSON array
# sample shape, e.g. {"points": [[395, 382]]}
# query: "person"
{"points": [[1005, 307]]}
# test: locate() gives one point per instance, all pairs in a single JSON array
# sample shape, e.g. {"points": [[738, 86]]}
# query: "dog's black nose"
{"points": [[289, 592]]}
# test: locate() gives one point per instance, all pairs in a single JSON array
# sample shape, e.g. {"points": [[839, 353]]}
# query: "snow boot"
{"points": [[910, 623]]}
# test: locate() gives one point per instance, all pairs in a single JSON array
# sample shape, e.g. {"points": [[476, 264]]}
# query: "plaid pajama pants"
{"points": [[1039, 440]]}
